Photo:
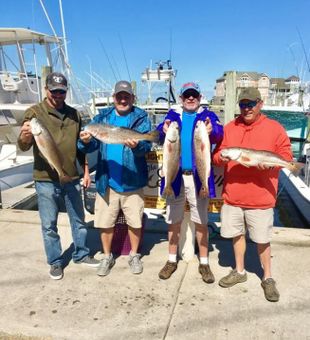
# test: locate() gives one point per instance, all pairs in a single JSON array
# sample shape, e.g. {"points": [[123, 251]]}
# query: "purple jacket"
{"points": [[215, 138]]}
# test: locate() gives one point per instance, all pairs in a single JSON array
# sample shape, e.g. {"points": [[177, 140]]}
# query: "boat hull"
{"points": [[298, 191]]}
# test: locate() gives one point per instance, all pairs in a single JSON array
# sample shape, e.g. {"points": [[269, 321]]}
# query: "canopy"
{"points": [[9, 36]]}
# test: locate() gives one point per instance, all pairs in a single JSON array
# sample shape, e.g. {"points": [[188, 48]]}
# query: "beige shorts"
{"points": [[107, 208], [235, 220], [198, 206]]}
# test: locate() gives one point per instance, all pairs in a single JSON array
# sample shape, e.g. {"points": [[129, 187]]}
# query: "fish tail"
{"points": [[153, 136], [168, 191], [204, 192], [295, 167]]}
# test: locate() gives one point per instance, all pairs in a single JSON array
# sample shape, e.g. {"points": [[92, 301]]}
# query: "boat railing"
{"points": [[307, 168]]}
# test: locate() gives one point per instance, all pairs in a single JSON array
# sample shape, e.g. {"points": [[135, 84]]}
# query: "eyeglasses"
{"points": [[250, 105], [58, 92], [187, 94]]}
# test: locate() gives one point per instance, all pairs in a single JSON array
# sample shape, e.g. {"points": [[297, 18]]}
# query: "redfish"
{"points": [[250, 157], [111, 134]]}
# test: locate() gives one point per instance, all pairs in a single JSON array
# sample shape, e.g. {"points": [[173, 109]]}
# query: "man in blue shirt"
{"points": [[120, 175], [187, 184]]}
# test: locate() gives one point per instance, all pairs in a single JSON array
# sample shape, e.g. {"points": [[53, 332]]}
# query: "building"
{"points": [[274, 91]]}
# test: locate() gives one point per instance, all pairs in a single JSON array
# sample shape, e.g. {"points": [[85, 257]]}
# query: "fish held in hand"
{"points": [[48, 148], [171, 157], [202, 157], [111, 134], [250, 157]]}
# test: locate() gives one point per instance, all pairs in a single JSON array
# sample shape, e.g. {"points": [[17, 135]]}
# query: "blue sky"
{"points": [[204, 38]]}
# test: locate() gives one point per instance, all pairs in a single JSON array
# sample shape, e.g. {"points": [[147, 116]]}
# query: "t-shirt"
{"points": [[186, 140], [115, 154]]}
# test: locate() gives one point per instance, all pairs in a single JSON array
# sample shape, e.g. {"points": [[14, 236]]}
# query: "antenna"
{"points": [[303, 48], [124, 55], [105, 52]]}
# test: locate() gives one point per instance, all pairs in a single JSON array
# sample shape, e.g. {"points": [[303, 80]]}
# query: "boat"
{"points": [[297, 188], [26, 57]]}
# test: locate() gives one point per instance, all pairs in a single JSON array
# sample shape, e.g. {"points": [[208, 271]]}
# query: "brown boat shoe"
{"points": [[168, 269], [270, 290], [206, 273]]}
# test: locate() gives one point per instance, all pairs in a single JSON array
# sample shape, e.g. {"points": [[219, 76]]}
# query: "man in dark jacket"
{"points": [[63, 123]]}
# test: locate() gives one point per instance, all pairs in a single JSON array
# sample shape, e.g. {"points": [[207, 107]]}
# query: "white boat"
{"points": [[298, 188], [26, 57]]}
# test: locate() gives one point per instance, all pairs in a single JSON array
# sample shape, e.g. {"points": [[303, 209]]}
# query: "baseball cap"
{"points": [[190, 86], [250, 93], [123, 86], [56, 81]]}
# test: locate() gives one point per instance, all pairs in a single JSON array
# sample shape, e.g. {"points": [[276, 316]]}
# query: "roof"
{"points": [[239, 74], [292, 78], [9, 36]]}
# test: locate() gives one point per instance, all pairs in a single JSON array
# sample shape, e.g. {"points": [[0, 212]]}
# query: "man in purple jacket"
{"points": [[187, 184]]}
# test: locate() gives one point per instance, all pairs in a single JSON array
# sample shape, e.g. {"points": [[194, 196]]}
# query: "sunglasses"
{"points": [[250, 105], [188, 94], [58, 92]]}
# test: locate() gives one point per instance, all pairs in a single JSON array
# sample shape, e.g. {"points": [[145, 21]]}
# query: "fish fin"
{"points": [[168, 191], [202, 147], [295, 167], [153, 136], [204, 192]]}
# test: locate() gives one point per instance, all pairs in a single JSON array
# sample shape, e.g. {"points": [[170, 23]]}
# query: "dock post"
{"points": [[230, 97]]}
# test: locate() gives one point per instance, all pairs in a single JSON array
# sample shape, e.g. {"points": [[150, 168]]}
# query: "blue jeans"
{"points": [[49, 199]]}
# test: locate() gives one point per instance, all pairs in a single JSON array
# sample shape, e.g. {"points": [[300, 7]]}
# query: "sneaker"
{"points": [[89, 261], [168, 269], [232, 278], [270, 290], [56, 272], [135, 264], [105, 265], [206, 274]]}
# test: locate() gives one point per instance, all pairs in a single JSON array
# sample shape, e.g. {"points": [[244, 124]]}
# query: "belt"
{"points": [[187, 172]]}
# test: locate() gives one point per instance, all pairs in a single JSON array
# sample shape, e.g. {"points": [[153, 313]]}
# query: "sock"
{"points": [[242, 273], [132, 253], [108, 255], [172, 258], [204, 260]]}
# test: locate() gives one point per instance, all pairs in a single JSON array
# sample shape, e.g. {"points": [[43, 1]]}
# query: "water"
{"points": [[295, 124]]}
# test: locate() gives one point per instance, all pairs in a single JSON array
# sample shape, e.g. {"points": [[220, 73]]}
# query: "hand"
{"points": [[166, 125], [224, 159], [86, 180], [131, 143], [262, 166], [208, 125], [25, 133], [85, 137]]}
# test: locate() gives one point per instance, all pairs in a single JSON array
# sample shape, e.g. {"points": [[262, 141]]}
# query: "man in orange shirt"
{"points": [[250, 193]]}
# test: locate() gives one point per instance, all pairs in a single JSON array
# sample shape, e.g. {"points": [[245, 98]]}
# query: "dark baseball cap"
{"points": [[123, 86], [250, 93], [56, 81]]}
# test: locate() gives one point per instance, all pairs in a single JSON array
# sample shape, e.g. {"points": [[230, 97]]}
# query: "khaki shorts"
{"points": [[235, 220], [198, 206], [107, 208]]}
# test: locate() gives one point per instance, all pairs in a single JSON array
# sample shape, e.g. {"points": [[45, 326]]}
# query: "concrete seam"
{"points": [[175, 302]]}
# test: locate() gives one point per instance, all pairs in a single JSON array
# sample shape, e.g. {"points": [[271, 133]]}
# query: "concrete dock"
{"points": [[123, 306]]}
